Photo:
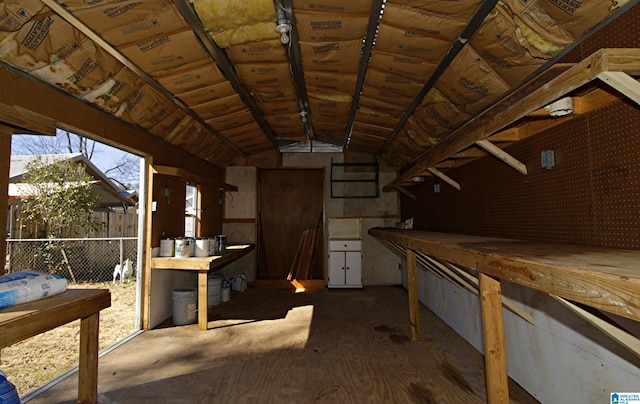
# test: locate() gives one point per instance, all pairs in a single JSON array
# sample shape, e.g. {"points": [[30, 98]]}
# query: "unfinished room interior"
{"points": [[423, 200]]}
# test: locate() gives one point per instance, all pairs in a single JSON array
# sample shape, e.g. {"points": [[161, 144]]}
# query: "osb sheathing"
{"points": [[589, 197]]}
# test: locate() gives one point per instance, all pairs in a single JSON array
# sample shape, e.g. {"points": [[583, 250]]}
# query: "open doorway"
{"points": [[290, 201], [84, 252]]}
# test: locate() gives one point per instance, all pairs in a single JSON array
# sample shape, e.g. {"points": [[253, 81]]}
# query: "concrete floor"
{"points": [[276, 346]]}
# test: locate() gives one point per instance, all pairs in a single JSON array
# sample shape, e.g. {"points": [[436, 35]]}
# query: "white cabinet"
{"points": [[345, 264]]}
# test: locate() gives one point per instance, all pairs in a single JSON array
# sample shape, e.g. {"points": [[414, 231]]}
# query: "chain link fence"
{"points": [[77, 260]]}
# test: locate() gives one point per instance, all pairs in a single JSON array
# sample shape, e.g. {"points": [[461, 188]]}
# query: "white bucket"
{"points": [[202, 247], [214, 291], [167, 247], [225, 294], [185, 306]]}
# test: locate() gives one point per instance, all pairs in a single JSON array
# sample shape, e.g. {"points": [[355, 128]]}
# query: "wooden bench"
{"points": [[202, 265], [25, 320], [607, 279]]}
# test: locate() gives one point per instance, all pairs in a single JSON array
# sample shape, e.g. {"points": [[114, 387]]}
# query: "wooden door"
{"points": [[290, 200]]}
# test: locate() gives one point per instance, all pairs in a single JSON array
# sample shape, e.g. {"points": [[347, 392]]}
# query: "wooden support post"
{"points": [[147, 197], [88, 363], [495, 357], [203, 292], [414, 304]]}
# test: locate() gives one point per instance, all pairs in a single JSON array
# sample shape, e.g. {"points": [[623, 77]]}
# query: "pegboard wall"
{"points": [[623, 32], [590, 197]]}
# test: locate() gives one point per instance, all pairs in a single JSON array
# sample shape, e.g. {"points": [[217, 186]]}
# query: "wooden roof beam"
{"points": [[503, 155], [191, 177], [622, 82], [19, 117], [444, 178], [533, 95]]}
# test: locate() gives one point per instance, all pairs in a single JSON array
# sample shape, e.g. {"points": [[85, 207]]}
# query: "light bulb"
{"points": [[284, 38], [283, 29]]}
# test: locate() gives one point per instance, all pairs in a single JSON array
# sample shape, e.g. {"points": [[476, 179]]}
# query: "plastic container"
{"points": [[221, 243], [225, 295], [8, 392], [185, 306], [214, 286]]}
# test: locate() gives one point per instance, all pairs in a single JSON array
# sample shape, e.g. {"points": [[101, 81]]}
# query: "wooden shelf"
{"points": [[232, 253], [607, 279], [202, 265]]}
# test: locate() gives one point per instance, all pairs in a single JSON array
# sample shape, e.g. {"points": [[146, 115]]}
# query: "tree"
{"points": [[123, 169], [61, 195]]}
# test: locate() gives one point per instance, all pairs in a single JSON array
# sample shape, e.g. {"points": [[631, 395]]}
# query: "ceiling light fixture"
{"points": [[561, 107], [284, 29]]}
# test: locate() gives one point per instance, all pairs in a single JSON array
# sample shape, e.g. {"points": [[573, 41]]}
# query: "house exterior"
{"points": [[112, 202]]}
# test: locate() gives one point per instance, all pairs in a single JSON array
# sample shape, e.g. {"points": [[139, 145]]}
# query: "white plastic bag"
{"points": [[27, 286]]}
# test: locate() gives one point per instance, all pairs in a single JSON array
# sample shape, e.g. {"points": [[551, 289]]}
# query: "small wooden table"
{"points": [[202, 265], [26, 320]]}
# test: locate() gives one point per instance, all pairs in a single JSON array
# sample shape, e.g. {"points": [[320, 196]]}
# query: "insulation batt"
{"points": [[331, 97], [220, 15], [233, 22]]}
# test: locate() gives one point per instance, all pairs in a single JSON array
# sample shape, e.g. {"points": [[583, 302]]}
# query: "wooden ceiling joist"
{"points": [[407, 193], [444, 177], [191, 177], [623, 83], [29, 120], [503, 155], [508, 135], [533, 95]]}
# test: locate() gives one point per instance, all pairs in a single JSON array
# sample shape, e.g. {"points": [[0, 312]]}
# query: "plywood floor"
{"points": [[275, 346]]}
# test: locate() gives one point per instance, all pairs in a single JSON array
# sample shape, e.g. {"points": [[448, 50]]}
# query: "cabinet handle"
{"points": [[347, 268]]}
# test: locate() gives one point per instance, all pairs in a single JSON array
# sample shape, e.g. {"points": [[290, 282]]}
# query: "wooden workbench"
{"points": [[28, 319], [603, 278], [202, 265]]}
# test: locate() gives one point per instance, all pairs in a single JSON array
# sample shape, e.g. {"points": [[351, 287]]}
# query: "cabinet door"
{"points": [[353, 271], [336, 268]]}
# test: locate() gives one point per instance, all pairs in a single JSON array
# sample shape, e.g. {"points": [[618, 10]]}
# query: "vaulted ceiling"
{"points": [[223, 79]]}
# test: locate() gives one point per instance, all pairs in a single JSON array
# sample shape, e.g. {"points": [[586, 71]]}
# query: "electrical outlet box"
{"points": [[547, 159]]}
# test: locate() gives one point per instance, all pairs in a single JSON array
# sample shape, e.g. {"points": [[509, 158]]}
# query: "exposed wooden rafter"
{"points": [[528, 98], [444, 177], [191, 177], [503, 155], [104, 45], [23, 118], [623, 83]]}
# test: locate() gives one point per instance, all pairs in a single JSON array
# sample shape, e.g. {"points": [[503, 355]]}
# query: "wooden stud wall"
{"points": [[589, 198]]}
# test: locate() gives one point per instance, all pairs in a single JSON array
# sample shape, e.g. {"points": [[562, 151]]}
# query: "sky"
{"points": [[104, 156]]}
